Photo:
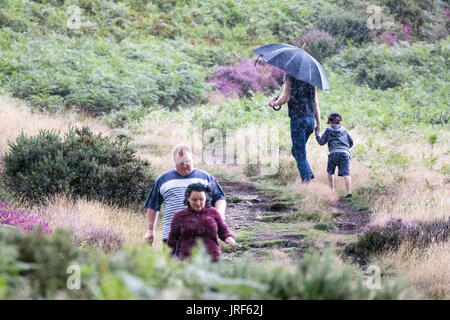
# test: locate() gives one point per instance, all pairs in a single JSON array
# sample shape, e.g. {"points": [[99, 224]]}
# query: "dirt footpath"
{"points": [[246, 205], [351, 220]]}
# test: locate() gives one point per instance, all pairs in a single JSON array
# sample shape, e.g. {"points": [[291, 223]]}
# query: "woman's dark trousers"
{"points": [[301, 129]]}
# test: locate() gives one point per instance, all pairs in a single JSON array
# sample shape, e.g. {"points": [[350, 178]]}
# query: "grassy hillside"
{"points": [[148, 70]]}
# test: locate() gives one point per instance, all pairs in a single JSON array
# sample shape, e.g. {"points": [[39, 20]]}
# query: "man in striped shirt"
{"points": [[170, 187]]}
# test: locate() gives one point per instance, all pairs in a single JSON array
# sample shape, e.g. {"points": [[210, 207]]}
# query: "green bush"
{"points": [[143, 273], [318, 43], [383, 77], [416, 13], [382, 67], [80, 165], [346, 26], [15, 23], [396, 232], [287, 172], [34, 265]]}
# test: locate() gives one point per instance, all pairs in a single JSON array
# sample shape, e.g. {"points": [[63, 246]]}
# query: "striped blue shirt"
{"points": [[170, 188]]}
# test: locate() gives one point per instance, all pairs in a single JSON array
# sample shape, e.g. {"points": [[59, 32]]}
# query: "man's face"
{"points": [[184, 164]]}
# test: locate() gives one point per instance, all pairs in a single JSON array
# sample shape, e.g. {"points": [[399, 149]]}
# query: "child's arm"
{"points": [[322, 140], [350, 140]]}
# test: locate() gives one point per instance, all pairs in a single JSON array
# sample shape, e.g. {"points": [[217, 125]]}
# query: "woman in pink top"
{"points": [[198, 221]]}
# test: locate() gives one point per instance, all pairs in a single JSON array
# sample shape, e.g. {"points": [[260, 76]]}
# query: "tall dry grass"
{"points": [[427, 270], [80, 214], [415, 191], [17, 117]]}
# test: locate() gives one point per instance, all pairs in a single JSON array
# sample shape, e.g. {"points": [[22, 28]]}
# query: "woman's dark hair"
{"points": [[199, 188]]}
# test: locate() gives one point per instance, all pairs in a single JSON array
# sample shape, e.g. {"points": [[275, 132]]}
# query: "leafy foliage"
{"points": [[420, 70], [98, 76], [83, 164], [157, 275], [418, 14], [346, 26], [318, 43], [34, 264]]}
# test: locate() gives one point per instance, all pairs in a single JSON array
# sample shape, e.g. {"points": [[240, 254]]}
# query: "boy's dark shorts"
{"points": [[340, 160]]}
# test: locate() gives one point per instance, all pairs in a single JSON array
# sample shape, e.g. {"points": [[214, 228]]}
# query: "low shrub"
{"points": [[36, 264], [80, 165], [246, 78], [346, 26], [414, 13], [395, 232], [315, 277], [16, 23], [394, 33], [21, 219], [383, 77], [99, 238], [383, 67], [288, 23], [387, 38], [252, 169], [318, 43]]}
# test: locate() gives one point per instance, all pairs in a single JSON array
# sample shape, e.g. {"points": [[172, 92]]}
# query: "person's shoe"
{"points": [[349, 196], [312, 177]]}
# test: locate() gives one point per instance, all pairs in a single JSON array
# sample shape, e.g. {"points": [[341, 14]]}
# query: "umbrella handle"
{"points": [[257, 60], [277, 108]]}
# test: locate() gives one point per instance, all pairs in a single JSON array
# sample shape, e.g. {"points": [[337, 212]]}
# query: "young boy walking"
{"points": [[339, 142]]}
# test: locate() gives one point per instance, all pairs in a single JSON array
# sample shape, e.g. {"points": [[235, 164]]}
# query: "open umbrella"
{"points": [[295, 62]]}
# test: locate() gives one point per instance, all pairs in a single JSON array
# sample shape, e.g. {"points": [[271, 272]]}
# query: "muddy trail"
{"points": [[350, 220], [247, 208]]}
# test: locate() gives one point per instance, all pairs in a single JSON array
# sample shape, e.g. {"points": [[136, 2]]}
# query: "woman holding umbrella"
{"points": [[303, 75], [303, 110]]}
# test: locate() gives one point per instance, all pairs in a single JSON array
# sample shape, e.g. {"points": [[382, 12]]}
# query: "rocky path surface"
{"points": [[247, 206]]}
